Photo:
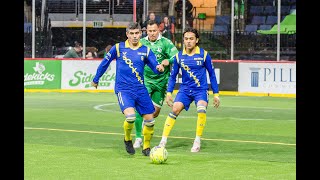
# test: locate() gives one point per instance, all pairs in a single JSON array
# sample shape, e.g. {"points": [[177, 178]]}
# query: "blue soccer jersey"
{"points": [[193, 71], [129, 66]]}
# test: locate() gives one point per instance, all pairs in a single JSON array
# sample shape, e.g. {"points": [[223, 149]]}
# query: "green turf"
{"points": [[80, 136]]}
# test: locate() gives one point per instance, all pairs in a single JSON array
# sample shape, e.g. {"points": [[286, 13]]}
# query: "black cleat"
{"points": [[146, 151], [129, 147]]}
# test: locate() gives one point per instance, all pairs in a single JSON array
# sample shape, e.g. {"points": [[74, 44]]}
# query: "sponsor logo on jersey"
{"points": [[198, 59], [130, 63], [185, 67]]}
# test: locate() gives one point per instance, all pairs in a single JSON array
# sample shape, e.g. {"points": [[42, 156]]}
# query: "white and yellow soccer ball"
{"points": [[158, 155]]}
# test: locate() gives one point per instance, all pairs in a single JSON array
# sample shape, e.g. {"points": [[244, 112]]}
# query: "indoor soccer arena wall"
{"points": [[234, 77]]}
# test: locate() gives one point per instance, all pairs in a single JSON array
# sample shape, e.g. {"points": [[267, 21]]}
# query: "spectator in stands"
{"points": [[74, 52], [91, 52], [102, 54], [152, 16], [167, 28], [189, 11]]}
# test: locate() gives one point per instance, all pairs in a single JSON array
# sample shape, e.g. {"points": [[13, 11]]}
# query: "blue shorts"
{"points": [[187, 96], [140, 100]]}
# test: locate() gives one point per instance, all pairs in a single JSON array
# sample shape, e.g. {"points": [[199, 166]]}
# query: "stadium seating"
{"points": [[251, 28], [258, 20], [269, 2], [270, 10], [271, 20], [285, 2], [220, 29], [256, 2], [265, 27], [256, 10], [285, 10], [222, 20]]}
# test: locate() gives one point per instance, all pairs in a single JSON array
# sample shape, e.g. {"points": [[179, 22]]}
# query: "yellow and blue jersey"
{"points": [[193, 68], [129, 65]]}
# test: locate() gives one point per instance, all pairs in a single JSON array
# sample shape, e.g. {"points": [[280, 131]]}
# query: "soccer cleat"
{"points": [[163, 143], [195, 147], [146, 151], [129, 147], [137, 143]]}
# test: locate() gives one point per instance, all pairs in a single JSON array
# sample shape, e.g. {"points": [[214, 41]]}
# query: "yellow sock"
{"points": [[127, 130], [168, 125], [201, 122], [147, 135]]}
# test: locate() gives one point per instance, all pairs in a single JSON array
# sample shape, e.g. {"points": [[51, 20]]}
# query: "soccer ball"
{"points": [[158, 155]]}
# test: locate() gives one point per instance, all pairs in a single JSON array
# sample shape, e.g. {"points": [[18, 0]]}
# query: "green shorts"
{"points": [[157, 94]]}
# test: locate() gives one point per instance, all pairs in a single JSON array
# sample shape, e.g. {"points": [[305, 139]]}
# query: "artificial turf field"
{"points": [[80, 136]]}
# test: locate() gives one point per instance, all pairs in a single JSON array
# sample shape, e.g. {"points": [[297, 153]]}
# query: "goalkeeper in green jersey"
{"points": [[156, 84]]}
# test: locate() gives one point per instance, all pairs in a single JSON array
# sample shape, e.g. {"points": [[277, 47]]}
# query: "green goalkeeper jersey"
{"points": [[163, 48]]}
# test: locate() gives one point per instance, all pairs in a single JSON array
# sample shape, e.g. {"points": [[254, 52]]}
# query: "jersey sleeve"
{"points": [[152, 61], [173, 74], [212, 75], [171, 51], [112, 54]]}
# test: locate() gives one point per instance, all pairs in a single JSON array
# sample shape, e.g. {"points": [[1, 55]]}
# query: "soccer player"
{"points": [[156, 84], [194, 62], [131, 56]]}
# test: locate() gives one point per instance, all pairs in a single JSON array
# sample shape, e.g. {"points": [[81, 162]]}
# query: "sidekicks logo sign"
{"points": [[42, 74], [80, 73]]}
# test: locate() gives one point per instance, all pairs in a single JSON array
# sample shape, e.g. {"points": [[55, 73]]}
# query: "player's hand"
{"points": [[94, 85], [216, 101], [165, 63], [160, 68], [169, 100]]}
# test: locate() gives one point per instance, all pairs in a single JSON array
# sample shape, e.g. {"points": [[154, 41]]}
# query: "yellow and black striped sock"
{"points": [[201, 121], [128, 126], [148, 130], [168, 125]]}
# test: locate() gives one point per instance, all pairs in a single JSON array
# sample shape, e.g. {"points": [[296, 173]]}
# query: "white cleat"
{"points": [[163, 143], [137, 143], [195, 147]]}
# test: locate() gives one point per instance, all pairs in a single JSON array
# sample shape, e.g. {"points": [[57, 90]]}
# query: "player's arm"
{"points": [[112, 54], [172, 81], [153, 63], [213, 80]]}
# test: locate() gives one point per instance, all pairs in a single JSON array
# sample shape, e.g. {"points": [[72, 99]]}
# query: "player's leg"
{"points": [[139, 121], [148, 130], [201, 100], [126, 103], [138, 125], [157, 98], [182, 101], [145, 107]]}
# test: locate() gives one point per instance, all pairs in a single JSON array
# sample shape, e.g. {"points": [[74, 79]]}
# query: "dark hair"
{"points": [[133, 25], [193, 30], [152, 22], [77, 44]]}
